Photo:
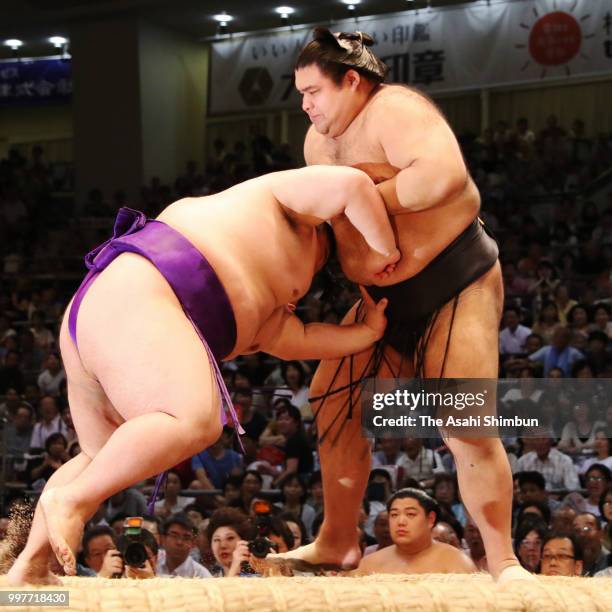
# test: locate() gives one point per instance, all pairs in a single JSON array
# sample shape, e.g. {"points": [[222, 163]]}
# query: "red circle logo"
{"points": [[555, 39]]}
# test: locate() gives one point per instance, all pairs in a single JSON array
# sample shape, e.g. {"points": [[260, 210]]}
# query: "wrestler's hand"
{"points": [[374, 314], [378, 172], [381, 266]]}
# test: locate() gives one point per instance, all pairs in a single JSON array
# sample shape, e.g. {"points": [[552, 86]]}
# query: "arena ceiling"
{"points": [[33, 21]]}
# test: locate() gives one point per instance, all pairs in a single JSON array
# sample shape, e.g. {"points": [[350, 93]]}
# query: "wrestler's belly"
{"points": [[420, 236]]}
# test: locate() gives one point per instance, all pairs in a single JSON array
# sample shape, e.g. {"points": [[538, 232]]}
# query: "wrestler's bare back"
{"points": [[423, 233]]}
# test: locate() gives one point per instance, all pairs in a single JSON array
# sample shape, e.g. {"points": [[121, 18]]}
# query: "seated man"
{"points": [[166, 299], [177, 541], [561, 555], [412, 516]]}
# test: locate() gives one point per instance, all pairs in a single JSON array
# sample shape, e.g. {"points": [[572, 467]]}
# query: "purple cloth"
{"points": [[192, 279]]}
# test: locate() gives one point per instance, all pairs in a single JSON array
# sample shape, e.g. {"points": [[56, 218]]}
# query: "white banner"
{"points": [[439, 50]]}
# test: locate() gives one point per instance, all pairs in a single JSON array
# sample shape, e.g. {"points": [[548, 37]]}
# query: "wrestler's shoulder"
{"points": [[396, 97]]}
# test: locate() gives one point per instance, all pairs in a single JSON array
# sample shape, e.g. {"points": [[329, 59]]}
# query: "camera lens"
{"points": [[135, 554]]}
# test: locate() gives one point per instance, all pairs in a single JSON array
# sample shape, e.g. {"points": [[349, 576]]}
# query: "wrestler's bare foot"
{"points": [[33, 571], [65, 519], [322, 554], [514, 572]]}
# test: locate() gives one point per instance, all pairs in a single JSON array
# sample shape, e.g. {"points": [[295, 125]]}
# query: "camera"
{"points": [[131, 544], [261, 545]]}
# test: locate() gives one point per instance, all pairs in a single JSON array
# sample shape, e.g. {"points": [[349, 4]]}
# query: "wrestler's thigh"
{"points": [[93, 415], [473, 347], [135, 338], [335, 373]]}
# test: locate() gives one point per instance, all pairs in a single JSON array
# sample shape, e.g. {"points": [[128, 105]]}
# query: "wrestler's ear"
{"points": [[352, 79]]}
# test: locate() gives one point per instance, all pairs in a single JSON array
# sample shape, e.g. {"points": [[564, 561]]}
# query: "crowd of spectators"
{"points": [[556, 253]]}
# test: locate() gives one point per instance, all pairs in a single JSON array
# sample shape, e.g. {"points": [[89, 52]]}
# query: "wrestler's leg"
{"points": [[94, 420], [483, 470], [344, 453], [157, 376]]}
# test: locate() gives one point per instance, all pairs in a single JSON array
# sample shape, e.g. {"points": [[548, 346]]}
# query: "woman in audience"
{"points": [[250, 485], [596, 480], [528, 543], [297, 528], [601, 319], [293, 499], [578, 319], [579, 434], [228, 532], [56, 454], [602, 446], [547, 322]]}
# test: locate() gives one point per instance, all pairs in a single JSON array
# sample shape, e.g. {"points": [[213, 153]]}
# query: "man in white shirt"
{"points": [[513, 336], [557, 468], [177, 540], [51, 423], [421, 463]]}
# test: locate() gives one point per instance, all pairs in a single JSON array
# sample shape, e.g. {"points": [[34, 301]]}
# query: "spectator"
{"points": [[597, 479], [421, 463], [296, 390], [588, 532], [51, 423], [412, 516], [216, 464], [559, 354], [556, 467], [54, 457], [513, 336], [9, 406], [129, 502], [563, 519], [178, 535], [533, 510], [298, 454], [532, 487], [297, 528], [19, 430], [315, 487], [381, 533], [545, 283], [43, 338], [578, 319], [605, 506], [475, 545], [445, 493], [601, 319], [250, 486], [11, 375], [578, 435], [561, 555], [390, 453], [293, 499], [227, 533], [548, 322], [448, 533], [528, 543], [51, 377], [172, 503], [563, 303], [252, 421]]}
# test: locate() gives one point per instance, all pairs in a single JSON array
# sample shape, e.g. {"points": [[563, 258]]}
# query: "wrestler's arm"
{"points": [[292, 339], [319, 193], [417, 139]]}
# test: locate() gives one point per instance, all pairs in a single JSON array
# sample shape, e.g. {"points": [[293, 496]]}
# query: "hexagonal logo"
{"points": [[255, 86]]}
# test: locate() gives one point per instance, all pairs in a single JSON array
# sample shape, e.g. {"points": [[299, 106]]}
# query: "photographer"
{"points": [[228, 532], [101, 552]]}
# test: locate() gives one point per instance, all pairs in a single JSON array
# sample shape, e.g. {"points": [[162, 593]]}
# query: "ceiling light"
{"points": [[58, 41], [13, 43], [350, 4], [284, 11], [223, 18]]}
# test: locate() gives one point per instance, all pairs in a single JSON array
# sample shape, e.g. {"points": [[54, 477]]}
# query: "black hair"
{"points": [[562, 535], [179, 519], [529, 524], [336, 54], [573, 309], [601, 468], [602, 499], [293, 412], [252, 473], [294, 364], [290, 516], [94, 532], [279, 528], [54, 437], [229, 517], [300, 480], [428, 503], [543, 507], [531, 477]]}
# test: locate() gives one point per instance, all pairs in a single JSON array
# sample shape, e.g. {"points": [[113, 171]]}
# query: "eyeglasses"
{"points": [[596, 478], [585, 529], [179, 537], [560, 557], [608, 502]]}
